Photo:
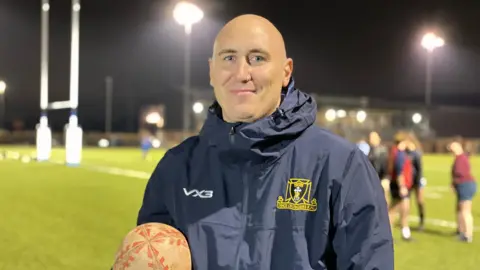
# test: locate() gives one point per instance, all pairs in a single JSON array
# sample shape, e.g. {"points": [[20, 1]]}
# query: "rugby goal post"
{"points": [[73, 132]]}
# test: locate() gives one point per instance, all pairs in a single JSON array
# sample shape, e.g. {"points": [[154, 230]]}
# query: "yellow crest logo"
{"points": [[298, 196]]}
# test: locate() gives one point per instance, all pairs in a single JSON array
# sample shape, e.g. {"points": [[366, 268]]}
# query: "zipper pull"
{"points": [[232, 133]]}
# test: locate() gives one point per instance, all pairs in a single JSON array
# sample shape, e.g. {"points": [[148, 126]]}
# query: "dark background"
{"points": [[366, 48]]}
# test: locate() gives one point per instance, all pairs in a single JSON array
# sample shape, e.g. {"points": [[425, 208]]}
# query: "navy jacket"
{"points": [[279, 193]]}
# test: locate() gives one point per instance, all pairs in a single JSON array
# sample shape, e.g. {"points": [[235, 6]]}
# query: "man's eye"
{"points": [[257, 58], [229, 58]]}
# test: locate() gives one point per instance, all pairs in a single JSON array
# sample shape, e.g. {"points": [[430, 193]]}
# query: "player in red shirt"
{"points": [[414, 152], [401, 175], [465, 187]]}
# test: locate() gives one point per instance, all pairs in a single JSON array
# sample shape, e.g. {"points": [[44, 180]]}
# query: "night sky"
{"points": [[338, 49]]}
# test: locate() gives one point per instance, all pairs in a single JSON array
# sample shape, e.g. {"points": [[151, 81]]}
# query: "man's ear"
{"points": [[210, 66], [287, 71]]}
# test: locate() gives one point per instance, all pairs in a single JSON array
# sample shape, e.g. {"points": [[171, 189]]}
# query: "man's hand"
{"points": [[403, 191]]}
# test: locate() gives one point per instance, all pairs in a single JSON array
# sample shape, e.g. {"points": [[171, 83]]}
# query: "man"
{"points": [[262, 187], [378, 156]]}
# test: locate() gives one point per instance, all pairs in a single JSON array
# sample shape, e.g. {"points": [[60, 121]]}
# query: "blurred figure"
{"points": [[145, 144], [364, 147], [401, 173], [419, 182], [467, 147], [378, 156], [465, 188]]}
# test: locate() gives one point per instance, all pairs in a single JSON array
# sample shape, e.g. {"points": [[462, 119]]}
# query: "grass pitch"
{"points": [[56, 217]]}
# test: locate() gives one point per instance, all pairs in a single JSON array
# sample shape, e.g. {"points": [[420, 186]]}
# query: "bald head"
{"points": [[251, 25], [248, 68]]}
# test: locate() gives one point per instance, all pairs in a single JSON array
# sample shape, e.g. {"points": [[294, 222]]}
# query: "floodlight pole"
{"points": [[3, 109], [186, 85], [428, 80], [430, 42], [108, 104]]}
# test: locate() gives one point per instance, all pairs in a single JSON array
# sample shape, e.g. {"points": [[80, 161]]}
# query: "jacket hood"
{"points": [[265, 138]]}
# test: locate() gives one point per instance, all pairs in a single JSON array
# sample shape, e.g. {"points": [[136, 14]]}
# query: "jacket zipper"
{"points": [[244, 216], [232, 135], [244, 202]]}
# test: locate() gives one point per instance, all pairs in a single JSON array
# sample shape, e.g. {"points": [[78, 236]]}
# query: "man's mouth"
{"points": [[243, 91]]}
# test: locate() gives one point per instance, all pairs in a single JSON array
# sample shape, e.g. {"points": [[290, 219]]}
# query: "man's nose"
{"points": [[243, 71]]}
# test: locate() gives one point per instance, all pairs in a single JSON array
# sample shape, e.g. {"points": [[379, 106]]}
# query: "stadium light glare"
{"points": [[198, 107], [156, 143], [330, 115], [431, 41], [341, 113], [153, 118], [187, 14], [416, 118], [46, 7], [3, 87], [361, 116], [103, 143]]}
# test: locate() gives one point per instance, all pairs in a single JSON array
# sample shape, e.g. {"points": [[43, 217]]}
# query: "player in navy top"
{"points": [[415, 153], [400, 169]]}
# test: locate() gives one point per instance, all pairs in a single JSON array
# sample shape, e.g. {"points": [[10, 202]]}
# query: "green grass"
{"points": [[55, 217]]}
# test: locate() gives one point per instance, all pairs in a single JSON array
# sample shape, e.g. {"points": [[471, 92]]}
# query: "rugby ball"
{"points": [[153, 246]]}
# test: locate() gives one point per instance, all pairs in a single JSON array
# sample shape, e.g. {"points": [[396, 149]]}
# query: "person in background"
{"points": [[400, 169], [378, 156], [364, 147], [145, 144], [465, 187], [414, 152]]}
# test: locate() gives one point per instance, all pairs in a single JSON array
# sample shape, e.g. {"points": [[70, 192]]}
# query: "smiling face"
{"points": [[249, 68]]}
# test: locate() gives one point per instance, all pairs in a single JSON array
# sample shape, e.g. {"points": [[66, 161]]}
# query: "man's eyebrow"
{"points": [[255, 50], [226, 51], [258, 50]]}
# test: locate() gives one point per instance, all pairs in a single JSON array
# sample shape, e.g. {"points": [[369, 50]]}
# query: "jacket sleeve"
{"points": [[362, 238], [154, 208]]}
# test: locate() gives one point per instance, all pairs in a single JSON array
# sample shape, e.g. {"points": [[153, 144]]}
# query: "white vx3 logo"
{"points": [[204, 194]]}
